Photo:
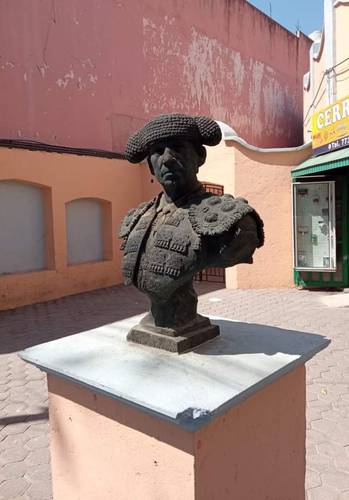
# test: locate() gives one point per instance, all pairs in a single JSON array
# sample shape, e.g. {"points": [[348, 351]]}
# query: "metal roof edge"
{"points": [[329, 161]]}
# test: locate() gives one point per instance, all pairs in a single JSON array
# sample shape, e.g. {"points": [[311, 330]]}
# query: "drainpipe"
{"points": [[330, 56]]}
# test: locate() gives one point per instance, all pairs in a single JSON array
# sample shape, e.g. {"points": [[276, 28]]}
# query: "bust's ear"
{"points": [[150, 166], [202, 155]]}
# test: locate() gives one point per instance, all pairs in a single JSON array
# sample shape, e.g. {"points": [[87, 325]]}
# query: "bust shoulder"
{"points": [[133, 216], [212, 215]]}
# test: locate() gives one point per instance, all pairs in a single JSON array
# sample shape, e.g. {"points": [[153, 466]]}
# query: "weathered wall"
{"points": [[86, 73], [66, 178]]}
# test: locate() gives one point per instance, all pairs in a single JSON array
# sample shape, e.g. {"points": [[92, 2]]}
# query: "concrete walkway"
{"points": [[24, 453]]}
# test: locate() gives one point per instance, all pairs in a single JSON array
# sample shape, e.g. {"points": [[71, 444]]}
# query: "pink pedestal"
{"points": [[104, 449], [225, 421]]}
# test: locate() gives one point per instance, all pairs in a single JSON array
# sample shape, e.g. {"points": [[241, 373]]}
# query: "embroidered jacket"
{"points": [[167, 242]]}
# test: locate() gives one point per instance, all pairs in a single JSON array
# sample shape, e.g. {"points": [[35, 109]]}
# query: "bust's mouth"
{"points": [[169, 175], [172, 176]]}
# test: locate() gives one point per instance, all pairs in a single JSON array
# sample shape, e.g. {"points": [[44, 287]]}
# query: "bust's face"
{"points": [[175, 164]]}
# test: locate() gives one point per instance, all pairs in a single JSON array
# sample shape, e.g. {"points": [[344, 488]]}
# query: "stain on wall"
{"points": [[87, 73]]}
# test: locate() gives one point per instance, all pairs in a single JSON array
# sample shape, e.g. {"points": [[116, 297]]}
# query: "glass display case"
{"points": [[314, 226]]}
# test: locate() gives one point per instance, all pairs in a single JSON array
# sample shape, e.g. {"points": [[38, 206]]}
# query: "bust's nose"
{"points": [[168, 155]]}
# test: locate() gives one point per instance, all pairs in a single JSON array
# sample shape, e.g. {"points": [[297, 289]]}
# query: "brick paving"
{"points": [[24, 452]]}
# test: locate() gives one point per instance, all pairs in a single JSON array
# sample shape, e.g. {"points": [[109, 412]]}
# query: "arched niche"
{"points": [[22, 227], [88, 230]]}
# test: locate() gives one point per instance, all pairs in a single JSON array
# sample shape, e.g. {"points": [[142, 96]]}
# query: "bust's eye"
{"points": [[157, 150]]}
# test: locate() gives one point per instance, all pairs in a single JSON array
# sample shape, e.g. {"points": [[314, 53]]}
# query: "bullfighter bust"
{"points": [[180, 232]]}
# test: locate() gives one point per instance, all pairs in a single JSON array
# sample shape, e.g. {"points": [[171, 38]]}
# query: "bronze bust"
{"points": [[183, 230]]}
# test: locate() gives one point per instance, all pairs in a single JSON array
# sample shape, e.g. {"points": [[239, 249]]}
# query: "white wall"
{"points": [[22, 230], [84, 219]]}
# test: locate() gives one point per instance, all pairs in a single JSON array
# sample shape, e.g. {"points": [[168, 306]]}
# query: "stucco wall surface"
{"points": [[65, 178], [86, 73], [128, 454], [219, 167], [254, 451], [264, 179]]}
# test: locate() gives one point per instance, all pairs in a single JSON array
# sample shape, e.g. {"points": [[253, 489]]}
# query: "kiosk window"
{"points": [[314, 226]]}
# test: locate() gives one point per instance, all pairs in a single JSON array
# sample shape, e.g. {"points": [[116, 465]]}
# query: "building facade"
{"points": [[320, 189], [78, 77], [87, 73]]}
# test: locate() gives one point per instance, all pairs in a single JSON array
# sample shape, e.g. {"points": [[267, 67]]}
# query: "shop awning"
{"points": [[329, 161]]}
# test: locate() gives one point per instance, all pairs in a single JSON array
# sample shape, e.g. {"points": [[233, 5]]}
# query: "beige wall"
{"points": [[264, 179], [64, 178], [219, 167]]}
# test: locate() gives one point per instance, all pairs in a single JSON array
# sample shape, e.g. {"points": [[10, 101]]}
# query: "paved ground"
{"points": [[24, 454]]}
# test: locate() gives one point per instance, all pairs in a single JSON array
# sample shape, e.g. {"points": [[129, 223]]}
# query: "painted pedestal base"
{"points": [[226, 421], [102, 449]]}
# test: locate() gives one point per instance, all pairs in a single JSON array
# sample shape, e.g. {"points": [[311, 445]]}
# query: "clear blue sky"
{"points": [[307, 14]]}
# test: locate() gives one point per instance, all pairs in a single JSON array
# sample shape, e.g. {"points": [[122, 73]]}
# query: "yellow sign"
{"points": [[330, 127]]}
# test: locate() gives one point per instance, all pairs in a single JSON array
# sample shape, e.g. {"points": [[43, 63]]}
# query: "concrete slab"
{"points": [[189, 389]]}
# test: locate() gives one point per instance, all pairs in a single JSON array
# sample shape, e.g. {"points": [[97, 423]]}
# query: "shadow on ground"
{"points": [[31, 325], [32, 417]]}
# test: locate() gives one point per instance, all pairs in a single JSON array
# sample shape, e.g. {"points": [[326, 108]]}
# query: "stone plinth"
{"points": [[224, 421]]}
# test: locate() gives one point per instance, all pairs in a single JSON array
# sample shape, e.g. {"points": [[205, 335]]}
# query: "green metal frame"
{"points": [[342, 182], [320, 164]]}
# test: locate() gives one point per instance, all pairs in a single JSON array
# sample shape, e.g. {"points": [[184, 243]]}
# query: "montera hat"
{"points": [[199, 129]]}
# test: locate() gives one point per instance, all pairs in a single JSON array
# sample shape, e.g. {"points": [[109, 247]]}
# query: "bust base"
{"points": [[173, 340]]}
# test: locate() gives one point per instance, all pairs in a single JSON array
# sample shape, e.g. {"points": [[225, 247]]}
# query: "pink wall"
{"points": [[86, 73], [253, 451]]}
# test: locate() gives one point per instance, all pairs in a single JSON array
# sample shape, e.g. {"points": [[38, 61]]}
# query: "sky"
{"points": [[307, 15]]}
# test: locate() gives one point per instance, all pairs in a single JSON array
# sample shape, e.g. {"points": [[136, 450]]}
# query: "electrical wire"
{"points": [[325, 73], [51, 148], [313, 101]]}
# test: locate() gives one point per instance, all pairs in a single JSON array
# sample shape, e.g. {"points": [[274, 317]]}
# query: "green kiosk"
{"points": [[320, 203]]}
